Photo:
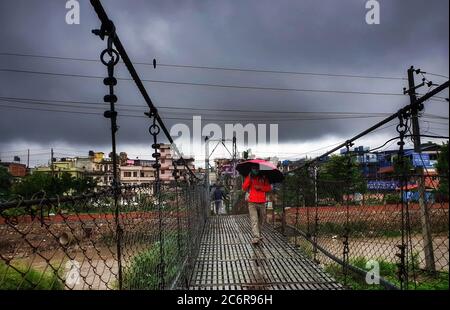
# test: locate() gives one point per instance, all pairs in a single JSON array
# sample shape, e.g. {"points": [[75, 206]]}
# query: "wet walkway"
{"points": [[228, 260]]}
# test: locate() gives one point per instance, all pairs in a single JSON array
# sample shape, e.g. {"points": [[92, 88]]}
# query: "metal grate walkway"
{"points": [[228, 260]]}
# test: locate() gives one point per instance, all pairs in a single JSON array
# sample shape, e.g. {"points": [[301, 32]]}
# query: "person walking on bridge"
{"points": [[218, 196], [257, 186]]}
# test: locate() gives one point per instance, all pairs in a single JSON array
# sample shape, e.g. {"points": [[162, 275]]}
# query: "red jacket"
{"points": [[257, 196]]}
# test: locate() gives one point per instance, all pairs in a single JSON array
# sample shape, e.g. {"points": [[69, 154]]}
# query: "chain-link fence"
{"points": [[148, 240], [360, 228]]}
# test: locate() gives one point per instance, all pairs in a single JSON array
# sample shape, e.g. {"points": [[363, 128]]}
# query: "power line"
{"points": [[329, 115], [17, 99], [396, 138], [435, 74], [24, 150], [199, 109], [185, 66], [205, 119], [344, 115], [432, 122], [209, 84]]}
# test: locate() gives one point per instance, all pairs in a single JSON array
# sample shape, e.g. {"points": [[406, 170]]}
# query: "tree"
{"points": [[52, 186], [341, 177], [442, 168], [33, 184], [83, 185], [123, 157], [5, 181], [402, 167]]}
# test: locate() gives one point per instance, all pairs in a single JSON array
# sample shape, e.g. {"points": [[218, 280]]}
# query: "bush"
{"points": [[144, 272], [25, 278], [388, 271], [392, 198]]}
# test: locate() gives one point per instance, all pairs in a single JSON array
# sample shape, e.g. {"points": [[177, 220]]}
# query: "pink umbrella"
{"points": [[266, 168]]}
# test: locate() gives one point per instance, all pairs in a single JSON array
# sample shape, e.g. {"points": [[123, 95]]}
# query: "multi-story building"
{"points": [[64, 165], [167, 159], [100, 168], [15, 169], [103, 172], [84, 164], [133, 174], [166, 162]]}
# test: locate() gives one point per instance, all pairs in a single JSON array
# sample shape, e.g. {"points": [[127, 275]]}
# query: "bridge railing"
{"points": [[390, 229], [84, 242], [359, 235]]}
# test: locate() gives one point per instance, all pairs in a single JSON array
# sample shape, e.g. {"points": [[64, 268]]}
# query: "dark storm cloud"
{"points": [[311, 36]]}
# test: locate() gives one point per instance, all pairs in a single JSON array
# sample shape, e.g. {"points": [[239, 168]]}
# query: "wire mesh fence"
{"points": [[147, 241], [382, 227]]}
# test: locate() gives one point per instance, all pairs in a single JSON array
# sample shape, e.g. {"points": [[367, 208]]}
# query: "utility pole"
{"points": [[51, 163], [28, 158], [425, 217]]}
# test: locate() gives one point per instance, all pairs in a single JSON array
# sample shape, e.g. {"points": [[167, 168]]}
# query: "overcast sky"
{"points": [[326, 36]]}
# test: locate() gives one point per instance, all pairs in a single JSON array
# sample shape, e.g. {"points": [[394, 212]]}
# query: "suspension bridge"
{"points": [[161, 235]]}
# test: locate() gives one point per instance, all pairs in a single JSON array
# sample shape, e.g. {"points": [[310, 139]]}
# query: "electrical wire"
{"points": [[98, 104], [208, 84], [190, 119], [186, 66]]}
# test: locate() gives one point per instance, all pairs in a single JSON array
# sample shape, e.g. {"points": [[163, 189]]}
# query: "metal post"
{"points": [[234, 176], [52, 167], [208, 203], [316, 217], [425, 218], [283, 211], [108, 30]]}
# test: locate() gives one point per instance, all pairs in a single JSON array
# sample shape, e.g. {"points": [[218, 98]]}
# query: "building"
{"points": [[167, 159], [427, 159], [224, 166], [100, 168], [96, 157], [15, 169], [137, 172], [64, 165], [102, 171], [141, 171], [85, 164]]}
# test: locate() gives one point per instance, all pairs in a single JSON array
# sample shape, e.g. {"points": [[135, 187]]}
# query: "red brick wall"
{"points": [[17, 170]]}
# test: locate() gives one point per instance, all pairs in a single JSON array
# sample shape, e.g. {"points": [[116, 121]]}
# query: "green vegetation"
{"points": [[402, 167], [424, 280], [342, 172], [379, 228], [392, 198], [442, 168], [26, 278], [39, 183], [144, 272], [52, 186], [5, 182]]}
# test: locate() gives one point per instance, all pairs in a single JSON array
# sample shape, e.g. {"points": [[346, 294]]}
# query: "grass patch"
{"points": [[424, 280], [144, 272], [371, 229], [25, 278]]}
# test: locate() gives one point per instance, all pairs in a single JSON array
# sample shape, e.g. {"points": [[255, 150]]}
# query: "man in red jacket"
{"points": [[257, 186]]}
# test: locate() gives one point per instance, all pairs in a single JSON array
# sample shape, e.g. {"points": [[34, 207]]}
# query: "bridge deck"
{"points": [[228, 260]]}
